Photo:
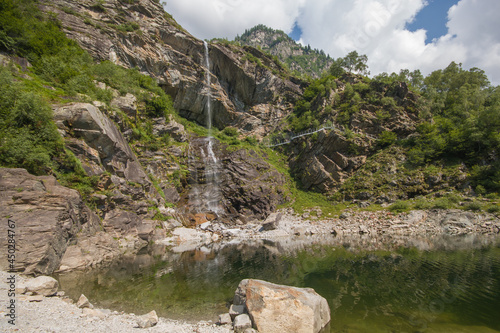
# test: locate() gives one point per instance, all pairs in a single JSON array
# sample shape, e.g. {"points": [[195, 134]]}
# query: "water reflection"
{"points": [[406, 285]]}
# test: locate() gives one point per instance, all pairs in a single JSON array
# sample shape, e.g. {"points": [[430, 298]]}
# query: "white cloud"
{"points": [[227, 18], [372, 27]]}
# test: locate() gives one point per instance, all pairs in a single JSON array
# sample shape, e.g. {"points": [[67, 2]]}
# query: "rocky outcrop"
{"points": [[247, 186], [281, 309], [325, 163], [301, 59], [47, 217], [252, 187], [251, 95], [98, 132]]}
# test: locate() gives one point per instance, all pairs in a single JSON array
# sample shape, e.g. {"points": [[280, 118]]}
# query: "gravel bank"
{"points": [[55, 314]]}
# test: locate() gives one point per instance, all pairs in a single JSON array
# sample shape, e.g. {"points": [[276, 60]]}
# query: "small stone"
{"points": [[251, 330], [148, 320], [83, 302], [205, 226], [241, 323], [269, 226], [344, 215], [236, 310], [21, 289], [60, 294], [36, 298], [68, 300], [93, 313], [225, 319]]}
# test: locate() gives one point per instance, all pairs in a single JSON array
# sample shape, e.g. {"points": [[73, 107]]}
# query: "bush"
{"points": [[493, 209], [399, 206], [442, 203], [160, 106], [387, 138], [474, 206], [28, 135], [230, 132]]}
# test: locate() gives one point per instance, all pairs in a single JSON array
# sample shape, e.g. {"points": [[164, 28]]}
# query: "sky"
{"points": [[394, 34]]}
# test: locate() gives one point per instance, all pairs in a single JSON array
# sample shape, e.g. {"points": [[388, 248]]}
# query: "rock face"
{"points": [[101, 134], [277, 308], [325, 160], [248, 187], [326, 163], [251, 95], [278, 43], [47, 217]]}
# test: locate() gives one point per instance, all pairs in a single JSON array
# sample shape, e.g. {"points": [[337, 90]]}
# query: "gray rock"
{"points": [[241, 323], [205, 226], [251, 330], [225, 319], [100, 133], [42, 285], [148, 320], [236, 310], [83, 302], [282, 309], [272, 221], [173, 128], [127, 104]]}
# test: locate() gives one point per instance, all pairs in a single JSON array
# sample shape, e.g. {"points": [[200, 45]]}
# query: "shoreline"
{"points": [[367, 230]]}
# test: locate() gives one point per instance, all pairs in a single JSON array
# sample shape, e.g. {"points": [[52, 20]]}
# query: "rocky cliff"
{"points": [[301, 60], [253, 96], [136, 183]]}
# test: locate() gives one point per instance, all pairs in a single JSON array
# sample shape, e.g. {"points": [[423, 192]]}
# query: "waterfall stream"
{"points": [[205, 194]]}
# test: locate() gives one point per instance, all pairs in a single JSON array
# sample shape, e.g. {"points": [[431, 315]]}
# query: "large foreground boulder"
{"points": [[282, 309]]}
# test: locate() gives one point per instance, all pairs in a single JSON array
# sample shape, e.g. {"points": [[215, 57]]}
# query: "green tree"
{"points": [[352, 63]]}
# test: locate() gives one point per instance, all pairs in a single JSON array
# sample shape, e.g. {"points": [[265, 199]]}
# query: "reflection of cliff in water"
{"points": [[456, 283]]}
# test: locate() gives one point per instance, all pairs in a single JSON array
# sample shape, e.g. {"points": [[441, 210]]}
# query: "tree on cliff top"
{"points": [[352, 63]]}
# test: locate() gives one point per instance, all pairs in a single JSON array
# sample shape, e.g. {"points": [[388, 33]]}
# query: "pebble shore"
{"points": [[60, 314]]}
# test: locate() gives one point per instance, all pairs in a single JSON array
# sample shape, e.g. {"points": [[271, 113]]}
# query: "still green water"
{"points": [[451, 286]]}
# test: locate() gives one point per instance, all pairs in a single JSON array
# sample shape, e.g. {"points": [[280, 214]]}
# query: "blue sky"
{"points": [[433, 18], [394, 34]]}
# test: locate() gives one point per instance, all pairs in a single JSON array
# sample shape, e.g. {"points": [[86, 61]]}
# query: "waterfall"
{"points": [[205, 193], [211, 161]]}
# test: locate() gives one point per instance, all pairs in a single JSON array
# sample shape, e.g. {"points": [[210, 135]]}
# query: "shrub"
{"points": [[474, 206], [230, 131], [160, 106], [387, 138], [442, 203], [399, 206], [493, 209]]}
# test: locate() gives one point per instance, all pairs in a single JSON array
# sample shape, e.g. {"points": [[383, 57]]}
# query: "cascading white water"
{"points": [[211, 161], [205, 193]]}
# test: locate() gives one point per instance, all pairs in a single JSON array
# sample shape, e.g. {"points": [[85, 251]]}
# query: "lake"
{"points": [[442, 284]]}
